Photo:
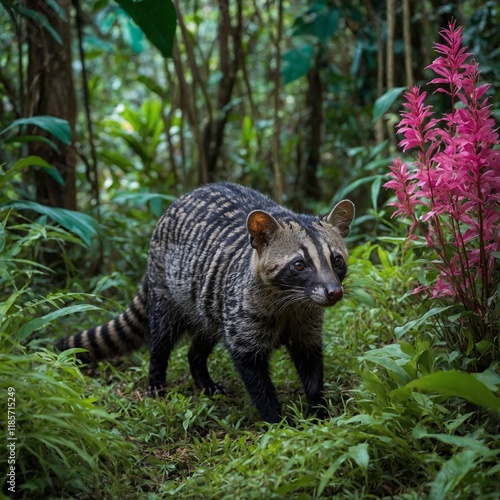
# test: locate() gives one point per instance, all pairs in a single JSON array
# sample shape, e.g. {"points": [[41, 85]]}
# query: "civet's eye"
{"points": [[299, 265], [338, 261]]}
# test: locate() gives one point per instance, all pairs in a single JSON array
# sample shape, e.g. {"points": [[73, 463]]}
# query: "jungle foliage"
{"points": [[104, 121]]}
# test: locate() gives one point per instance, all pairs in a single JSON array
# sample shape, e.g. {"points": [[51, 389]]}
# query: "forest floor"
{"points": [[93, 434]]}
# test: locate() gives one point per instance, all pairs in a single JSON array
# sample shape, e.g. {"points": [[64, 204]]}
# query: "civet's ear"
{"points": [[261, 226], [341, 216]]}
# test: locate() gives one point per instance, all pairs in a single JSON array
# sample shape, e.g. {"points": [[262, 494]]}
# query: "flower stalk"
{"points": [[451, 193]]}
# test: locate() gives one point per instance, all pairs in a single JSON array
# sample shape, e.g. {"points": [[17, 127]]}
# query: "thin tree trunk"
{"points": [[209, 138], [168, 102], [379, 125], [229, 36], [187, 105], [278, 181], [407, 43], [92, 169], [314, 100], [391, 22], [51, 92]]}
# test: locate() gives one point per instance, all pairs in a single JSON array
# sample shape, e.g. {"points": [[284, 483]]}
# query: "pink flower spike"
{"points": [[413, 124], [451, 194]]}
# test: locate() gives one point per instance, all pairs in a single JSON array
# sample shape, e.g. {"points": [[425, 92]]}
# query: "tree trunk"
{"points": [[278, 179], [229, 36], [314, 101], [51, 92], [391, 25], [372, 16], [407, 43]]}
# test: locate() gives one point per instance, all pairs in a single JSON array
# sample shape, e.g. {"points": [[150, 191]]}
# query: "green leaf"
{"points": [[454, 384], [152, 85], [135, 36], [36, 161], [417, 323], [490, 378], [360, 455], [33, 138], [297, 62], [82, 225], [37, 323], [354, 185], [58, 127], [39, 18], [375, 191], [382, 357], [156, 18], [452, 472], [118, 159], [385, 101], [57, 9], [328, 474], [323, 24], [3, 237]]}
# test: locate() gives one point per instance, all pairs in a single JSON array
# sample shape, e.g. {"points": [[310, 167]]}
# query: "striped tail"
{"points": [[122, 334]]}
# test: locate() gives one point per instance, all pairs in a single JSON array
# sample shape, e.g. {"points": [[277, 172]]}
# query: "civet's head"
{"points": [[303, 256]]}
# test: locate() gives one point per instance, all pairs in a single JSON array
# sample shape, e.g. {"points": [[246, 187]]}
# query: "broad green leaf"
{"points": [[39, 18], [322, 24], [384, 257], [360, 296], [454, 384], [385, 101], [152, 85], [82, 225], [57, 9], [118, 159], [297, 485], [413, 325], [375, 191], [354, 185], [33, 138], [35, 324], [452, 472], [468, 443], [58, 127], [388, 363], [360, 455], [156, 18], [328, 474], [490, 378], [135, 36], [36, 161], [327, 23], [297, 62], [156, 206]]}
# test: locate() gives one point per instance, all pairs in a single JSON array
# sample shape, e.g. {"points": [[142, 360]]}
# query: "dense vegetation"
{"points": [[299, 99]]}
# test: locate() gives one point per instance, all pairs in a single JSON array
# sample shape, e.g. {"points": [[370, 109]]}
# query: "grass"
{"points": [[93, 434]]}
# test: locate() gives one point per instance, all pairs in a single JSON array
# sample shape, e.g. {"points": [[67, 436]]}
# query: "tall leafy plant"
{"points": [[451, 193]]}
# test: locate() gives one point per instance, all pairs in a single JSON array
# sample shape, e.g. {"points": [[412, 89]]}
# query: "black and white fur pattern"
{"points": [[227, 263]]}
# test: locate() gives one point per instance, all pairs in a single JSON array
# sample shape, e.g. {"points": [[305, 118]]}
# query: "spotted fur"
{"points": [[227, 263]]}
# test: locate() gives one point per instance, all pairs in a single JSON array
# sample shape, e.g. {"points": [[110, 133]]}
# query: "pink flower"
{"points": [[455, 179]]}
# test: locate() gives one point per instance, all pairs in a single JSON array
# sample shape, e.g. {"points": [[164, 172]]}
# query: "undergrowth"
{"points": [[405, 420], [94, 434]]}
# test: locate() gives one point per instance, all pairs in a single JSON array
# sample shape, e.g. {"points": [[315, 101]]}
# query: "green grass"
{"points": [[94, 434]]}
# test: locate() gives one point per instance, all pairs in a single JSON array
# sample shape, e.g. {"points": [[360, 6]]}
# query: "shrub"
{"points": [[451, 194]]}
